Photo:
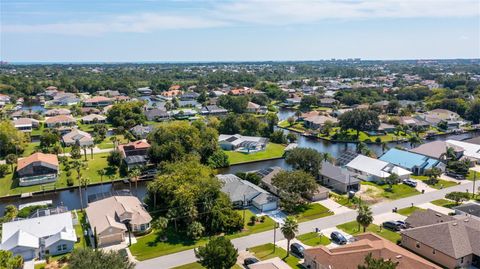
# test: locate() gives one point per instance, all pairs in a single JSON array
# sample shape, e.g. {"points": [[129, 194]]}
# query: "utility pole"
{"points": [[275, 226], [474, 178], [244, 209]]}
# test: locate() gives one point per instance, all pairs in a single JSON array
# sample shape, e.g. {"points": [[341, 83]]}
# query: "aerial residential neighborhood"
{"points": [[240, 134]]}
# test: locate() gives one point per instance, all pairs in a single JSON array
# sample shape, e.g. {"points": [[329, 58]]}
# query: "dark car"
{"points": [[391, 225], [409, 182], [338, 238], [402, 224], [297, 249], [249, 261], [455, 175]]}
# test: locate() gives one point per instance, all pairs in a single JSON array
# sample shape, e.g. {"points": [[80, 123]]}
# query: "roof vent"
{"points": [[454, 224], [466, 220], [398, 257], [438, 214]]}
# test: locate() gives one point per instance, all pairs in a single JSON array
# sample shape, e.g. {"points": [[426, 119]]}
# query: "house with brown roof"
{"points": [[37, 168], [451, 244], [317, 122], [135, 153], [57, 111], [109, 217], [77, 137], [60, 120], [97, 101], [351, 255]]}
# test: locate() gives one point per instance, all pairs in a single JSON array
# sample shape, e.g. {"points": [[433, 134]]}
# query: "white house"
{"points": [[471, 151], [242, 143], [36, 237], [370, 169]]}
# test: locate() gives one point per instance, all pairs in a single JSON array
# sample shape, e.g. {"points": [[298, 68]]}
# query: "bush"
{"points": [[253, 219], [368, 140], [378, 140], [27, 211], [3, 169], [262, 219], [69, 181]]}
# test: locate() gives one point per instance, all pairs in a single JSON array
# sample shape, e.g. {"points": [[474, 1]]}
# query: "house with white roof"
{"points": [[242, 143], [36, 237], [370, 169], [471, 151]]}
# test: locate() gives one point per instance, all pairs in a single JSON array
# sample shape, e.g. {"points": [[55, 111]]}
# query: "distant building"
{"points": [[242, 143], [97, 101], [57, 111], [157, 114], [370, 169], [213, 110], [135, 153], [60, 120], [318, 122], [37, 168], [26, 124], [141, 131], [93, 118]]}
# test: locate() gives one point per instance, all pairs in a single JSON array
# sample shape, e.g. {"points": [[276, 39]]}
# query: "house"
{"points": [[60, 120], [93, 118], [471, 151], [452, 244], [413, 162], [243, 193], [338, 178], [370, 169], [78, 137], [414, 122], [157, 114], [321, 193], [293, 101], [51, 234], [37, 168], [242, 143], [437, 150], [352, 255], [421, 218], [26, 124], [57, 111], [317, 122], [108, 218], [97, 101], [109, 93], [188, 96], [468, 209], [436, 116], [65, 99], [273, 263], [385, 128], [327, 102], [134, 154], [266, 175], [253, 108], [168, 95], [144, 91], [213, 110], [141, 131]]}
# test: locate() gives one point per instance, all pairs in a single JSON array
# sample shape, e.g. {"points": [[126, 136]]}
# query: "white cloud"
{"points": [[258, 12]]}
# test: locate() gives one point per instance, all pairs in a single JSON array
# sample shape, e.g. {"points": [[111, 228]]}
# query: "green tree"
{"points": [[414, 140], [11, 159], [218, 159], [134, 175], [126, 114], [195, 230], [292, 187], [87, 258], [75, 153], [308, 101], [473, 112], [10, 213], [291, 137], [8, 261], [114, 158], [433, 175], [306, 159], [359, 120], [365, 216], [391, 180], [289, 229], [11, 140], [278, 137], [272, 120], [372, 263], [458, 197], [160, 225], [218, 253]]}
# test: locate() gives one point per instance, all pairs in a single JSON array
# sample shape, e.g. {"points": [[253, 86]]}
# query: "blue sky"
{"points": [[207, 30]]}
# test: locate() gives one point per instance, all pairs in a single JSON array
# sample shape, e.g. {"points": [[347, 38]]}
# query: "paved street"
{"points": [[184, 257]]}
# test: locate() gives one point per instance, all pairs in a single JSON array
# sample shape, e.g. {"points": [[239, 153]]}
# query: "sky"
{"points": [[237, 30]]}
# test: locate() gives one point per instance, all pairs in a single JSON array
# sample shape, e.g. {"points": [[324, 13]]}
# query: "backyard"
{"points": [[353, 229], [272, 151], [398, 191]]}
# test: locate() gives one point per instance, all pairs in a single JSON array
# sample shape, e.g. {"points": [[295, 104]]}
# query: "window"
{"points": [[418, 245], [59, 248], [64, 247]]}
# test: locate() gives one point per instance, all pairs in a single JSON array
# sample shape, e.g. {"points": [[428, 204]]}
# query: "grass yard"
{"points": [[108, 144], [196, 265], [471, 175], [272, 151], [313, 239], [80, 229], [441, 184], [398, 191], [352, 228], [351, 136], [407, 211], [444, 202], [265, 252], [343, 200], [150, 246], [312, 211], [30, 148], [9, 185]]}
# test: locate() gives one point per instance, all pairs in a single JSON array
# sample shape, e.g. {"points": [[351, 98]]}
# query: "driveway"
{"points": [[29, 265], [326, 232], [437, 208], [333, 206], [423, 186], [381, 218]]}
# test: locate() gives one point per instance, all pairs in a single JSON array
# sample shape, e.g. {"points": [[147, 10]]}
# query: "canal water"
{"points": [[71, 198]]}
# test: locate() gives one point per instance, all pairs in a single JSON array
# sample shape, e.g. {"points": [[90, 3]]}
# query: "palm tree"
{"points": [[84, 147], [327, 157], [289, 228], [78, 166], [391, 180], [11, 159], [91, 150], [365, 216], [114, 140], [414, 140], [101, 173], [134, 174], [384, 146], [449, 154]]}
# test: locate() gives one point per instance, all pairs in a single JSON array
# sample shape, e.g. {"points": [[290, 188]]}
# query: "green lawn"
{"points": [[265, 252], [351, 136], [80, 229], [311, 211], [30, 148], [313, 239], [272, 151], [398, 191], [10, 186], [150, 246], [196, 265], [471, 175], [108, 144], [343, 200], [407, 211], [352, 228], [444, 202], [441, 184]]}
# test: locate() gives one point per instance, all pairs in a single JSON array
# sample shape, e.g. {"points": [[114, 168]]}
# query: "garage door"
{"points": [[27, 255], [111, 239]]}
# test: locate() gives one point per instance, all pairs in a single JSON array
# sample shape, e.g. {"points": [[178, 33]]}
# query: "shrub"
{"points": [[69, 181], [378, 140]]}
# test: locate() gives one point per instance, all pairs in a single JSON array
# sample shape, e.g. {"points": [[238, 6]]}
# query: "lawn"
{"points": [[343, 200], [351, 136], [196, 265], [471, 175], [444, 202], [352, 228], [311, 211], [10, 186], [150, 246], [441, 184], [313, 239], [265, 252], [108, 144], [80, 229], [30, 148], [407, 211], [272, 151], [398, 191]]}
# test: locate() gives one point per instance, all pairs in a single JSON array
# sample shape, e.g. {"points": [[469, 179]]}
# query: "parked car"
{"points": [[297, 249], [402, 224], [391, 225], [249, 261], [338, 238], [409, 182], [455, 175]]}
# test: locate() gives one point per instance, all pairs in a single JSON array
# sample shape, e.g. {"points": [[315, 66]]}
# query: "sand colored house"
{"points": [[37, 168], [77, 137], [60, 120]]}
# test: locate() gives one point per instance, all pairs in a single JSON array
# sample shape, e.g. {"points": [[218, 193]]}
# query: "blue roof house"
{"points": [[416, 163]]}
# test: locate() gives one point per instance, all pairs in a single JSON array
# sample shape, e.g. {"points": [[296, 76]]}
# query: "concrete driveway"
{"points": [[437, 208], [379, 219], [423, 186], [333, 206]]}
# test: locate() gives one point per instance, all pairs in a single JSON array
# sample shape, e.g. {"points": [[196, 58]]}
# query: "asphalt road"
{"points": [[242, 243]]}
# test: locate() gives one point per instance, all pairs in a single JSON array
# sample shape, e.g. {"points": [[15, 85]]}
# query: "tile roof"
{"points": [[60, 118], [37, 157]]}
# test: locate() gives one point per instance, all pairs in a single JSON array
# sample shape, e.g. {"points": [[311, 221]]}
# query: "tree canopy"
{"points": [[127, 114], [359, 120], [87, 258], [218, 253]]}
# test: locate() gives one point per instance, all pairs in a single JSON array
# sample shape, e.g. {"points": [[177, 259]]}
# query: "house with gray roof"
{"points": [[468, 209], [437, 150], [243, 193], [157, 114], [338, 178]]}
